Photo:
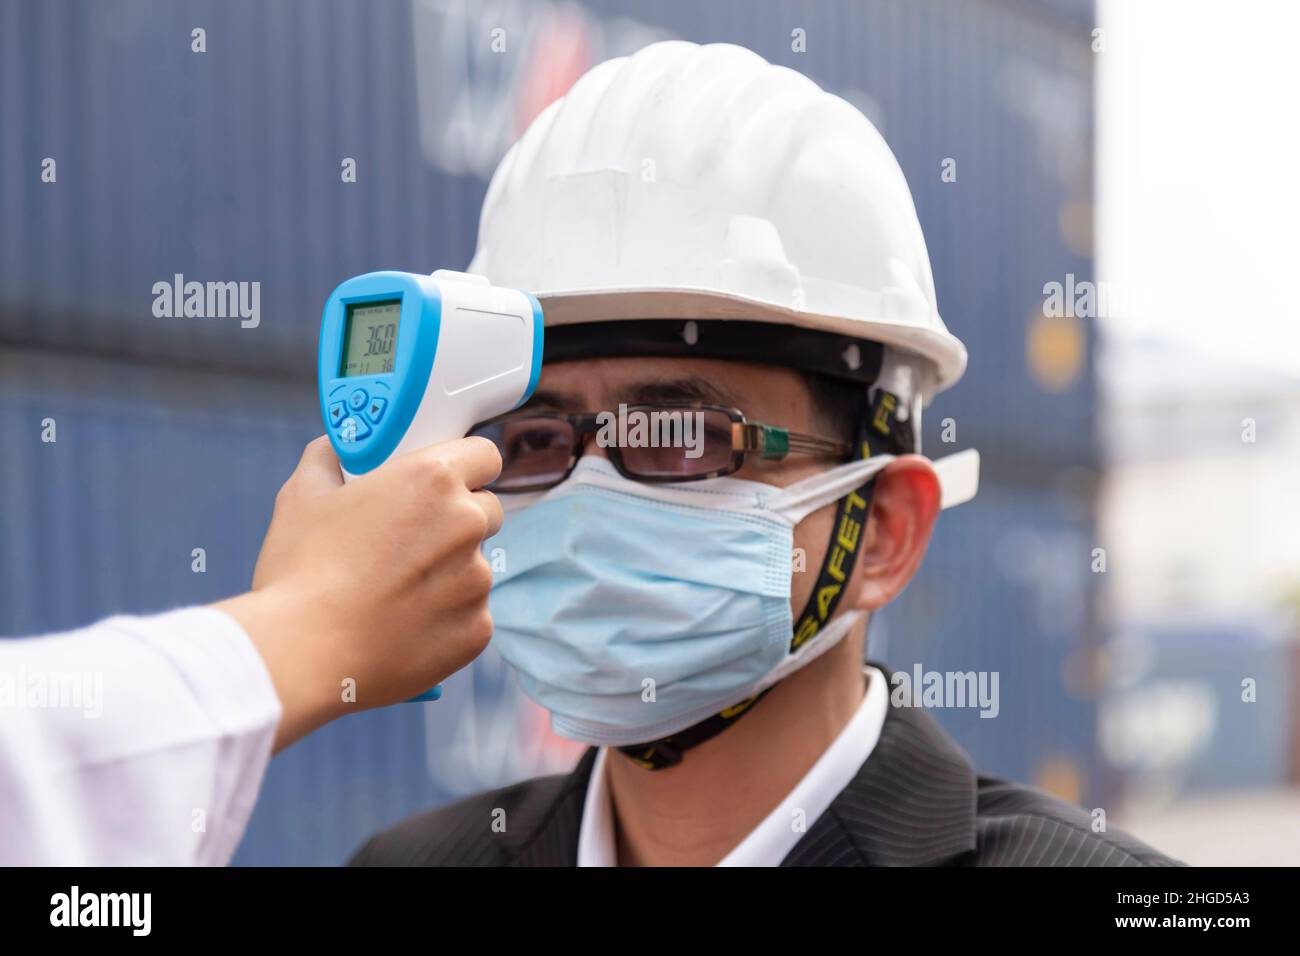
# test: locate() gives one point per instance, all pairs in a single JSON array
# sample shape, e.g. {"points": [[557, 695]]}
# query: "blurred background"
{"points": [[1131, 566]]}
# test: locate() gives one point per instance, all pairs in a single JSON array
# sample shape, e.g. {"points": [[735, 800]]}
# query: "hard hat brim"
{"points": [[944, 352]]}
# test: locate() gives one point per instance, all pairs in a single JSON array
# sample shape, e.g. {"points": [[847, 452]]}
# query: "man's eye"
{"points": [[533, 440]]}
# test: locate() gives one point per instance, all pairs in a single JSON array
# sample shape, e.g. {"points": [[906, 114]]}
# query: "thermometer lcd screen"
{"points": [[370, 338]]}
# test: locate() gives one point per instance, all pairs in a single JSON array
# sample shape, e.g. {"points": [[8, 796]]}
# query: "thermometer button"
{"points": [[375, 411], [354, 428], [338, 411], [358, 399]]}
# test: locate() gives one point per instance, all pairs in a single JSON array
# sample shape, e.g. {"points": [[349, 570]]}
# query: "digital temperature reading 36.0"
{"points": [[370, 338]]}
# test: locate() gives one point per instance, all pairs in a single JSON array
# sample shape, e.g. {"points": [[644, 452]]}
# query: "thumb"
{"points": [[318, 470]]}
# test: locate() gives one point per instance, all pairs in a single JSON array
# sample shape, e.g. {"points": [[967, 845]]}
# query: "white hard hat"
{"points": [[702, 183]]}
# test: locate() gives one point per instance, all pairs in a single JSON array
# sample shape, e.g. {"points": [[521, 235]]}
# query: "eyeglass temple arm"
{"points": [[772, 442]]}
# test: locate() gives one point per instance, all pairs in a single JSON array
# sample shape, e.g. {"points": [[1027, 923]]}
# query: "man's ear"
{"points": [[903, 511]]}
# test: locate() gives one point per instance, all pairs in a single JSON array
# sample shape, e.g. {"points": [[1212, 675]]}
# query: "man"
{"points": [[714, 487]]}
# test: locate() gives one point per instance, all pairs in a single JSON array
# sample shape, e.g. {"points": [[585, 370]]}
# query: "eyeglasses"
{"points": [[650, 443]]}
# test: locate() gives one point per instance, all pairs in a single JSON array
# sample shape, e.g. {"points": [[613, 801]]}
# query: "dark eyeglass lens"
{"points": [[678, 443], [534, 451]]}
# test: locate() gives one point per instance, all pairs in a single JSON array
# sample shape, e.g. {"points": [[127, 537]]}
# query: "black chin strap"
{"points": [[878, 433]]}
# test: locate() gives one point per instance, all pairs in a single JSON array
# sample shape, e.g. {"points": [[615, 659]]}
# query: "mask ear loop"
{"points": [[958, 475], [801, 499], [877, 432]]}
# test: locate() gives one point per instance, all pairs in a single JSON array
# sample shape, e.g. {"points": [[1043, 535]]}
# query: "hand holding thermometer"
{"points": [[407, 361]]}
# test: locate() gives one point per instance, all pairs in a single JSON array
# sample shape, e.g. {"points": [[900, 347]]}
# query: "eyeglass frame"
{"points": [[770, 442]]}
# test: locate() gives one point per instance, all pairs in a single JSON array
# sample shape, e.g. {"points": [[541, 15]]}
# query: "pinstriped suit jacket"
{"points": [[916, 801]]}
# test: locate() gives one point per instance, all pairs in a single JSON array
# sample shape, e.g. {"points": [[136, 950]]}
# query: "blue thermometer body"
{"points": [[409, 360]]}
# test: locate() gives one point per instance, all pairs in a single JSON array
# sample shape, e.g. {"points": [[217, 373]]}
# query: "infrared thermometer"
{"points": [[409, 360]]}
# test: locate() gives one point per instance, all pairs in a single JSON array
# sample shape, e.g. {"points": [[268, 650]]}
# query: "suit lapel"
{"points": [[551, 838], [911, 804]]}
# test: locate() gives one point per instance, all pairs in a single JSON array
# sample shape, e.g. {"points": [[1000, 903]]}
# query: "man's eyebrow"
{"points": [[685, 389], [550, 399]]}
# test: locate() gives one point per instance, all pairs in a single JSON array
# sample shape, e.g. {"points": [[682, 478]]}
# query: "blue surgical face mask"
{"points": [[632, 611]]}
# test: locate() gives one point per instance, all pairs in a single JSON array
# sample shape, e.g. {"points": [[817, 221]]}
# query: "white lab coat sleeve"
{"points": [[136, 741]]}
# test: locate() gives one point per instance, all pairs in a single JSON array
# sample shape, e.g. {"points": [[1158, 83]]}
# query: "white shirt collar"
{"points": [[771, 841]]}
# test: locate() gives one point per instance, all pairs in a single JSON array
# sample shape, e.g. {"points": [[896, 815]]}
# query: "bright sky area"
{"points": [[1199, 175]]}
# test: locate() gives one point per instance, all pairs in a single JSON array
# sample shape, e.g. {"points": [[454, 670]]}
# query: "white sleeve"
{"points": [[136, 741]]}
